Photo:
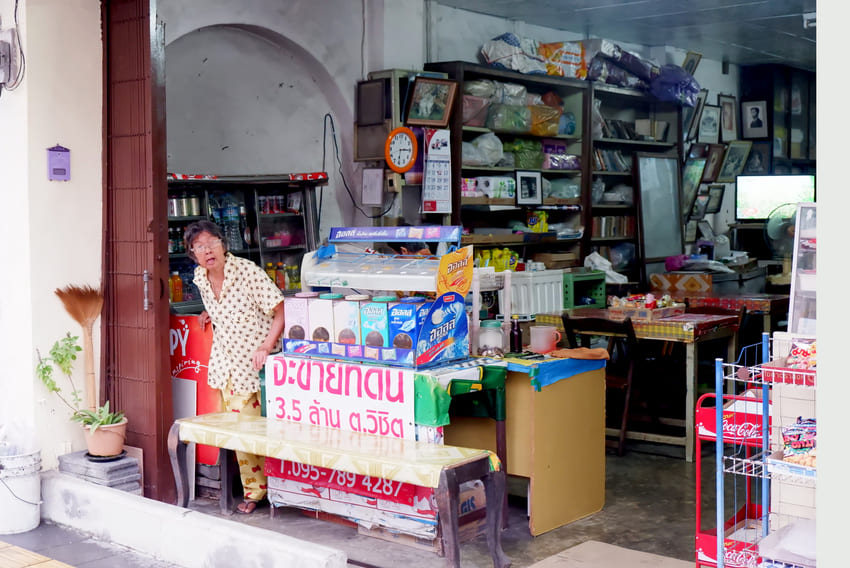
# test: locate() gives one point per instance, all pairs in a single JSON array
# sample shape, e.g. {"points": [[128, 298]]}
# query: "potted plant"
{"points": [[105, 429]]}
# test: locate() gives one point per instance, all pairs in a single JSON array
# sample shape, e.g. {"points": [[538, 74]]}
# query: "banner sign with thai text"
{"points": [[336, 394]]}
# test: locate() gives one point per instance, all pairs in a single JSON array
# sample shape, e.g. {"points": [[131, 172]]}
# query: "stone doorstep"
{"points": [[162, 530]]}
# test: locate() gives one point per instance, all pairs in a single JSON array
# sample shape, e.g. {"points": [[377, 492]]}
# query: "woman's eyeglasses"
{"points": [[200, 249]]}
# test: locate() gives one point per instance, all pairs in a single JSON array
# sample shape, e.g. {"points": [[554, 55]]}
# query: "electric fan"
{"points": [[779, 236]]}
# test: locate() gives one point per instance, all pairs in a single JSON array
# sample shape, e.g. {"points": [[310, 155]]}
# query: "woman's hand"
{"points": [[203, 319], [259, 357]]}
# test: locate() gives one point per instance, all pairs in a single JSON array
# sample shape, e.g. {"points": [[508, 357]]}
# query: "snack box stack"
{"points": [[385, 329]]}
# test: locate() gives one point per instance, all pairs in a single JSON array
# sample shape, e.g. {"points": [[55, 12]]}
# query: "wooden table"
{"points": [[690, 329], [770, 306]]}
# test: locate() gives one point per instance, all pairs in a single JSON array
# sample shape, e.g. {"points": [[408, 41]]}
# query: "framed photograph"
{"points": [[712, 166], [431, 102], [698, 150], [698, 210], [734, 160], [715, 198], [728, 118], [758, 162], [529, 189], [691, 232], [754, 119], [691, 176], [691, 62], [709, 125], [705, 230], [690, 120]]}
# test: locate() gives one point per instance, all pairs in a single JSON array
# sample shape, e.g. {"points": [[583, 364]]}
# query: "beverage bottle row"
{"points": [[271, 204], [285, 276], [175, 240]]}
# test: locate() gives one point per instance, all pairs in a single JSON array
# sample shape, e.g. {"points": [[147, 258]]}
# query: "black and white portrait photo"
{"points": [[754, 119]]}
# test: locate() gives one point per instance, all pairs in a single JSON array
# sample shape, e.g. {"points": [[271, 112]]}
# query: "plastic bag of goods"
{"points": [[484, 88], [474, 110], [556, 157], [631, 62], [606, 71], [676, 85], [510, 51], [562, 188], [484, 150], [564, 58], [528, 154], [509, 118], [544, 120], [496, 91]]}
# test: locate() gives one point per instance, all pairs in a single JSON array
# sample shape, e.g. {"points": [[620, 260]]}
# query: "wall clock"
{"points": [[400, 149]]}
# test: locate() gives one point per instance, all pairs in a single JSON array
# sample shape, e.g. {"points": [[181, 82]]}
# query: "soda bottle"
{"points": [[244, 230], [175, 286], [271, 271], [280, 276], [516, 335]]}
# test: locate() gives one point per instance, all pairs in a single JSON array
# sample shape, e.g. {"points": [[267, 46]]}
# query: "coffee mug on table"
{"points": [[544, 338]]}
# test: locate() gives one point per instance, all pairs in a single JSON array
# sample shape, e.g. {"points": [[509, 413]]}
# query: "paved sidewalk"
{"points": [[69, 549]]}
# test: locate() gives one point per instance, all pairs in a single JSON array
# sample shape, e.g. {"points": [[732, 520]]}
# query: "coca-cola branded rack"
{"points": [[270, 219], [749, 469]]}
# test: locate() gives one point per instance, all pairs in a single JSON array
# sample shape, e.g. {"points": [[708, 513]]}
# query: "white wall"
{"points": [[52, 231], [248, 87]]}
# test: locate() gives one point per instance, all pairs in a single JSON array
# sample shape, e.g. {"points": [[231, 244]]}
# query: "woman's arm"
{"points": [[262, 352]]}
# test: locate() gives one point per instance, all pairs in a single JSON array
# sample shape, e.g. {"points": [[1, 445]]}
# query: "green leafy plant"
{"points": [[62, 356]]}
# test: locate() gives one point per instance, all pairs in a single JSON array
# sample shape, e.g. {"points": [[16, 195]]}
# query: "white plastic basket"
{"points": [[535, 292]]}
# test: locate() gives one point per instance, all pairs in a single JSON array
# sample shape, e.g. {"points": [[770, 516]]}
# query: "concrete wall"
{"points": [[248, 86], [51, 230]]}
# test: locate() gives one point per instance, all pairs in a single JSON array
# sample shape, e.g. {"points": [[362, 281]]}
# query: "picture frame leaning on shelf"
{"points": [[709, 125], [733, 162], [431, 102], [529, 188], [728, 118]]}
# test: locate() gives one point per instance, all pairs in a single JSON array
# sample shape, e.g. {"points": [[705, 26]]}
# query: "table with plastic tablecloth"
{"points": [[690, 329]]}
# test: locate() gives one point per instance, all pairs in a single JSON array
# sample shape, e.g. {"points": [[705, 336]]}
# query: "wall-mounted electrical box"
{"points": [[5, 62]]}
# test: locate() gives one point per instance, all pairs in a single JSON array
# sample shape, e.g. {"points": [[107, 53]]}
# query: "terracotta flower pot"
{"points": [[106, 440]]}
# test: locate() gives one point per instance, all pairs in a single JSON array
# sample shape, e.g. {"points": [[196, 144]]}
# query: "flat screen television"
{"points": [[757, 196]]}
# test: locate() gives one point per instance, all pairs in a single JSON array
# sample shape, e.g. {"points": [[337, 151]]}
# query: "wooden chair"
{"points": [[623, 347]]}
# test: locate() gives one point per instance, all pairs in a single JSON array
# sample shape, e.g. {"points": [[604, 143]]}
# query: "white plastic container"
{"points": [[538, 292], [20, 491]]}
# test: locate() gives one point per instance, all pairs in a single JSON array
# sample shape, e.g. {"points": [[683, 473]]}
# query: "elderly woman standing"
{"points": [[246, 311]]}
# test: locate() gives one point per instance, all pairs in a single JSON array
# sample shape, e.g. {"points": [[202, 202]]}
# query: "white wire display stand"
{"points": [[744, 448]]}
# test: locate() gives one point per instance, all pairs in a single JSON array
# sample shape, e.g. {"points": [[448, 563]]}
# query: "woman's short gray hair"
{"points": [[198, 227]]}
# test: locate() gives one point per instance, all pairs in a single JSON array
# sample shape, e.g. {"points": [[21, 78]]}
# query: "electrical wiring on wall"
{"points": [[329, 118]]}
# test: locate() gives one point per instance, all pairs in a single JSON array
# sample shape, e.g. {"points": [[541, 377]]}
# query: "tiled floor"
{"points": [[649, 507]]}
